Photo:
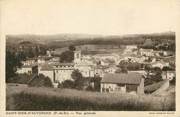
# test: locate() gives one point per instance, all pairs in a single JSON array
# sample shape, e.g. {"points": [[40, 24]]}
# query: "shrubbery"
{"points": [[40, 81], [20, 78]]}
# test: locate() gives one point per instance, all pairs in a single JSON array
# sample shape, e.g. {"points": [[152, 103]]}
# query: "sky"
{"points": [[106, 17]]}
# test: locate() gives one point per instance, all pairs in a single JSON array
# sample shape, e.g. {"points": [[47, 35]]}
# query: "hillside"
{"points": [[32, 98], [62, 40]]}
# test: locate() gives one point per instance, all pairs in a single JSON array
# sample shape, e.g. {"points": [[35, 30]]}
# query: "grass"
{"points": [[153, 87], [42, 98]]}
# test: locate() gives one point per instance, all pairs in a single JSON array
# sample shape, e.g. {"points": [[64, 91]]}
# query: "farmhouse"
{"points": [[131, 82]]}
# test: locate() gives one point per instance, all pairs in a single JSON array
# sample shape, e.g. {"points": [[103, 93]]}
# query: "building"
{"points": [[169, 75], [29, 61], [146, 52], [47, 70], [43, 59], [122, 83], [57, 72], [63, 71], [142, 72], [77, 57], [111, 69], [112, 57], [27, 69], [130, 49], [160, 64]]}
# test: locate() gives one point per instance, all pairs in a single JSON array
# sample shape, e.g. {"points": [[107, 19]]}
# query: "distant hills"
{"points": [[58, 39]]}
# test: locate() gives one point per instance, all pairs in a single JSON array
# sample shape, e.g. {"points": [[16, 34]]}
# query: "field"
{"points": [[21, 97]]}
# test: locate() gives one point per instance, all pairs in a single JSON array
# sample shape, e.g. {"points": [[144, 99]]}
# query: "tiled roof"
{"points": [[129, 78], [29, 66]]}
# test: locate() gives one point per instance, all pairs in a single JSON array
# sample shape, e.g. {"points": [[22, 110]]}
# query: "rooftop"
{"points": [[29, 66], [64, 64], [123, 78], [46, 67]]}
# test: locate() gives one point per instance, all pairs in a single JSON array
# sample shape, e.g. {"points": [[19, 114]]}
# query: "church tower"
{"points": [[77, 57]]}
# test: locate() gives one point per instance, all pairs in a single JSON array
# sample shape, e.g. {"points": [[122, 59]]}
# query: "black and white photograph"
{"points": [[87, 55]]}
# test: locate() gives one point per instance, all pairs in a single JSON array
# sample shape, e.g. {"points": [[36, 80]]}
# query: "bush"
{"points": [[68, 84], [20, 78], [40, 81]]}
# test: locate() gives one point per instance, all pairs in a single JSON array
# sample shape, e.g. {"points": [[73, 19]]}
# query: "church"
{"points": [[60, 72]]}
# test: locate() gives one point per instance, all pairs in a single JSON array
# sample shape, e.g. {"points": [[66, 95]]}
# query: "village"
{"points": [[131, 71]]}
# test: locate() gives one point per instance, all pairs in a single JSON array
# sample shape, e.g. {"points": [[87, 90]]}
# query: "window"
{"points": [[107, 90]]}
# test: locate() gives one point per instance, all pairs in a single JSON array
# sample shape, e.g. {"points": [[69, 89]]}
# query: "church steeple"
{"points": [[77, 56]]}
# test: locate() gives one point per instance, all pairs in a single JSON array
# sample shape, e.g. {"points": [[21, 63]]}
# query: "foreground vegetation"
{"points": [[33, 98]]}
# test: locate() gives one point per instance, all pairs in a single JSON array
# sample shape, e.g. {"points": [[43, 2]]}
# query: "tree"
{"points": [[40, 81], [78, 79], [148, 69], [12, 62], [72, 48], [30, 53], [68, 84], [148, 43], [124, 69], [118, 70], [97, 83], [166, 68], [67, 56]]}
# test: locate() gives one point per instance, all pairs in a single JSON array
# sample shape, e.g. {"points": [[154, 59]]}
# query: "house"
{"points": [[53, 60], [169, 75], [142, 72], [130, 49], [160, 64], [43, 59], [122, 83], [28, 69], [104, 62], [112, 57], [111, 69], [29, 61], [146, 52], [167, 53]]}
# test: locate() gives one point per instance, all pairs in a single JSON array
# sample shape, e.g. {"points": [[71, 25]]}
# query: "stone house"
{"points": [[122, 83]]}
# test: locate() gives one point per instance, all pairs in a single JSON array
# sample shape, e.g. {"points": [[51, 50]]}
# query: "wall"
{"points": [[140, 89], [110, 87], [63, 74], [24, 70], [48, 73]]}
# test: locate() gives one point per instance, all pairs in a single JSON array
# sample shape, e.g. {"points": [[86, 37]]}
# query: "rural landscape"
{"points": [[83, 72]]}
